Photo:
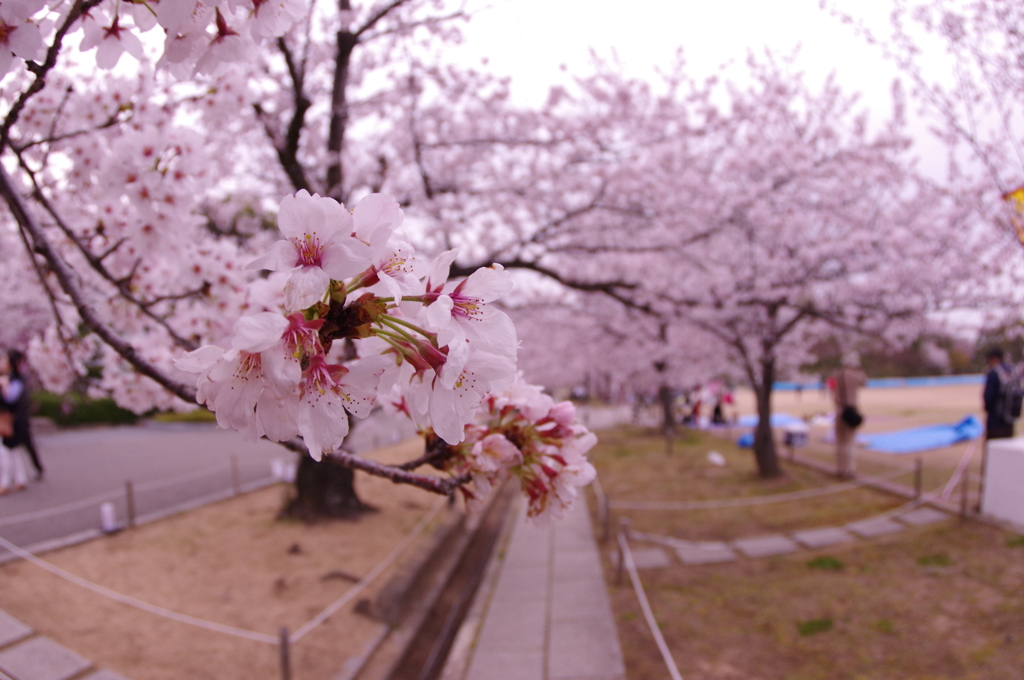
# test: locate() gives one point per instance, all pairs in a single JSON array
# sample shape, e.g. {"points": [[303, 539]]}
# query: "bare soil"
{"points": [[937, 602], [231, 563]]}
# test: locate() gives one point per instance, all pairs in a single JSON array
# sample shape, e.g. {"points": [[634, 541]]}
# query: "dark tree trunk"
{"points": [[764, 442], [668, 417], [324, 490]]}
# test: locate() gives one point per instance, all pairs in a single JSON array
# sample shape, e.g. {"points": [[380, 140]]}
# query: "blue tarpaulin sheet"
{"points": [[924, 438], [777, 420]]}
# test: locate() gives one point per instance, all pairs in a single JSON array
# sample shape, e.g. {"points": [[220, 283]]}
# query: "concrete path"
{"points": [[170, 465], [546, 614]]}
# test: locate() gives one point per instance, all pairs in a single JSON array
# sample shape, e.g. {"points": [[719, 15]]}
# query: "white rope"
{"points": [[368, 579], [218, 627], [110, 495], [132, 602], [964, 462], [58, 509], [754, 500], [645, 606]]}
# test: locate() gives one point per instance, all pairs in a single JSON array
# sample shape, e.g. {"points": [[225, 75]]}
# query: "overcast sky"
{"points": [[531, 39]]}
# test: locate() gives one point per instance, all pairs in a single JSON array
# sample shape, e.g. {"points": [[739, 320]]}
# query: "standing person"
{"points": [[12, 467], [998, 423], [17, 398], [848, 380]]}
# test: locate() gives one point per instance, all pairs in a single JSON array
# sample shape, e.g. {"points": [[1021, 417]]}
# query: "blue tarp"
{"points": [[777, 420], [924, 438], [930, 381]]}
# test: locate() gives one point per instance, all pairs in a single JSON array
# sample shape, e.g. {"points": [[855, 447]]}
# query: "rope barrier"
{"points": [[109, 495], [58, 509], [374, 573], [133, 602], [964, 462], [218, 627], [645, 606], [754, 500]]}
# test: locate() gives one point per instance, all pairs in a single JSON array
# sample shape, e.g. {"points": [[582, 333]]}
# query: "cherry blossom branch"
{"points": [[288, 149], [50, 297], [79, 8], [96, 263], [66, 278], [398, 475], [613, 289]]}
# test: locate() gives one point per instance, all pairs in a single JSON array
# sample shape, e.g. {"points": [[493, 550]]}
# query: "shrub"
{"points": [[77, 409]]}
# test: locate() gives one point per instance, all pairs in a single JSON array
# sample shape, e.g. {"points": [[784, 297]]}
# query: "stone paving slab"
{"points": [[579, 600], [765, 546], [820, 538], [11, 629], [649, 558], [580, 648], [705, 553], [42, 659], [491, 665], [105, 675], [870, 528], [922, 516], [520, 628]]}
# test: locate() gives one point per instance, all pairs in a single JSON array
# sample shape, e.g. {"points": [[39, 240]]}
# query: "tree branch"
{"points": [[65, 276]]}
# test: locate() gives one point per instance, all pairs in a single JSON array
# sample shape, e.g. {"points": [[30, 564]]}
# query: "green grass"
{"points": [[199, 415], [1015, 542], [825, 563], [885, 626], [936, 560], [814, 626], [76, 409]]}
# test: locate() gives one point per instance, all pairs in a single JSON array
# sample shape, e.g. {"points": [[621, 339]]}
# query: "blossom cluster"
{"points": [[363, 316], [522, 432], [200, 36]]}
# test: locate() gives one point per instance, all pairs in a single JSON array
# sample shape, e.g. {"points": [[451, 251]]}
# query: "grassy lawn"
{"points": [[941, 601]]}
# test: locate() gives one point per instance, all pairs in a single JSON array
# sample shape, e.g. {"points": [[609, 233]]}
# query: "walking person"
{"points": [[848, 380], [17, 398]]}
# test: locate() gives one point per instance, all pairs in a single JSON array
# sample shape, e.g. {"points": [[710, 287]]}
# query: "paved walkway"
{"points": [[545, 615], [709, 552], [27, 656]]}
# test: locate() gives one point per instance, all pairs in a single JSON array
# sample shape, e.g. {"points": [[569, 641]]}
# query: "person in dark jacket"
{"points": [[17, 397], [996, 424]]}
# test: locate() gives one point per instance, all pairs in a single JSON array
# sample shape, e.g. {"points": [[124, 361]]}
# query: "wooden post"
{"points": [[605, 516], [129, 496], [236, 482], [621, 567], [917, 478], [964, 488], [286, 662]]}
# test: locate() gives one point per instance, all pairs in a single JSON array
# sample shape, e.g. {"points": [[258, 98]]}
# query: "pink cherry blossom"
{"points": [[319, 247]]}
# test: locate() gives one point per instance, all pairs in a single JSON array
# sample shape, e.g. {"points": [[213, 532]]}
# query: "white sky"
{"points": [[531, 39]]}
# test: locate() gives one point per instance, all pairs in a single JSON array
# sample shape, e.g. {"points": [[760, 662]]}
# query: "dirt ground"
{"points": [[939, 602], [231, 563]]}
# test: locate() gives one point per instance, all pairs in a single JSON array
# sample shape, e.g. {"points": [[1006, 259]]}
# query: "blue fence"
{"points": [[931, 381]]}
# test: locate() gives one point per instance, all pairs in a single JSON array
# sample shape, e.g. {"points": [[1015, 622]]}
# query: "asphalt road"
{"points": [[169, 465]]}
